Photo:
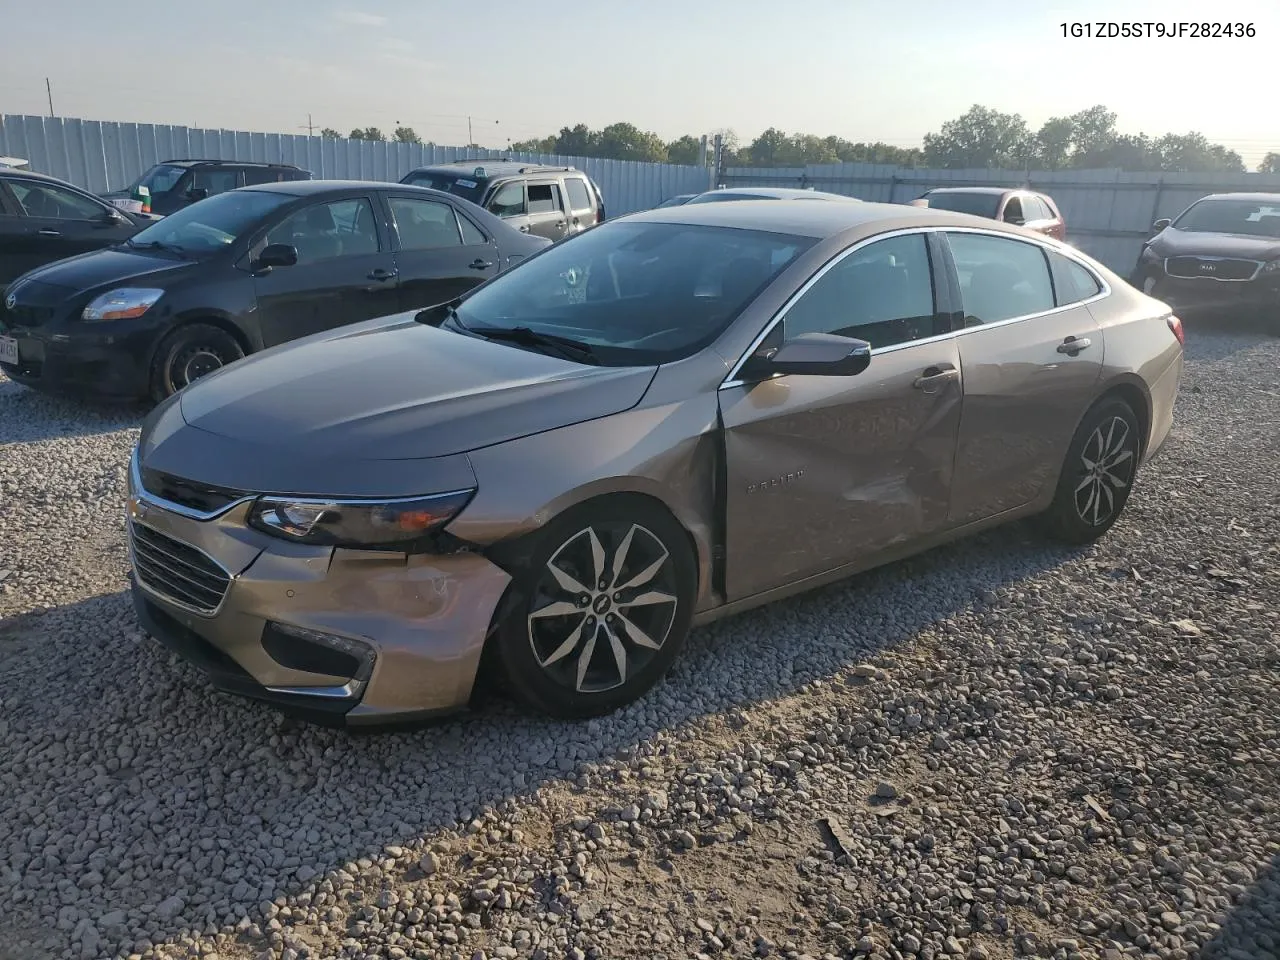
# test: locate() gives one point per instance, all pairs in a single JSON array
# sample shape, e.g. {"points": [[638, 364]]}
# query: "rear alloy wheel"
{"points": [[189, 353], [604, 607], [1098, 475]]}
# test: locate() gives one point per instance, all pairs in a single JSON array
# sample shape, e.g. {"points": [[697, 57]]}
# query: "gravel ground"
{"points": [[999, 749]]}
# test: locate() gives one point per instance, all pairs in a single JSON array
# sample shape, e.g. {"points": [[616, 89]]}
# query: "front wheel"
{"points": [[1098, 474], [602, 607], [189, 353]]}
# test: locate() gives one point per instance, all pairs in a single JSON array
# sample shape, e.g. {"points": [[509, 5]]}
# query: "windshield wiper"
{"points": [[158, 245], [567, 347]]}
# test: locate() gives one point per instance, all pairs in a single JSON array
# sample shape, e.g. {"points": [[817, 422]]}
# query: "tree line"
{"points": [[981, 137]]}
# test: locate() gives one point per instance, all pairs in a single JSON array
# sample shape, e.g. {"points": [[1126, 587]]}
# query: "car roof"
{"points": [[998, 191], [16, 173], [238, 163], [1246, 197], [493, 168], [780, 193], [308, 188], [818, 220]]}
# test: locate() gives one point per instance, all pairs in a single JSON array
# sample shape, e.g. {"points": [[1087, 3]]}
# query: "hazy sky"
{"points": [[861, 69]]}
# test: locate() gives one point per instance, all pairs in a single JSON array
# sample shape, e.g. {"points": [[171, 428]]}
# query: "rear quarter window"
{"points": [[579, 194]]}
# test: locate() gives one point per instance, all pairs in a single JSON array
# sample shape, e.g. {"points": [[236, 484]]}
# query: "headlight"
{"points": [[123, 303], [360, 524], [1271, 266], [1149, 255]]}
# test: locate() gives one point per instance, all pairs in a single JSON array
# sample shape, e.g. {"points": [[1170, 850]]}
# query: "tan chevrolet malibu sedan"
{"points": [[672, 417]]}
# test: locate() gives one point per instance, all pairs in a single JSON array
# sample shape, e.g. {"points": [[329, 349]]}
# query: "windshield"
{"points": [[1243, 217], [674, 201], [717, 197], [978, 204], [213, 223], [161, 178], [637, 293], [462, 187]]}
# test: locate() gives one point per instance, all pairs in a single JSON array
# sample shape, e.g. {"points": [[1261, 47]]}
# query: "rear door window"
{"points": [[256, 175], [1000, 278], [545, 198], [1036, 209]]}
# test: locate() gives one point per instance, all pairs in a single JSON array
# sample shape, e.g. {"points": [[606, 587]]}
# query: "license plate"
{"points": [[8, 350]]}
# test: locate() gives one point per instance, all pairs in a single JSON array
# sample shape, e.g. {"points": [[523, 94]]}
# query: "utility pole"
{"points": [[311, 130], [49, 90], [470, 136], [719, 159]]}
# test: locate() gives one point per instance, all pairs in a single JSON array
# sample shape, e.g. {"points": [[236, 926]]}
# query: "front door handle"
{"points": [[934, 377], [48, 233], [1073, 345], [381, 274], [524, 228], [479, 264]]}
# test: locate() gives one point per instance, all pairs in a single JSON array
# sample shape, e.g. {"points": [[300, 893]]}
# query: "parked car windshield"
{"points": [[637, 293], [1244, 217], [459, 186], [977, 204], [161, 178], [211, 224]]}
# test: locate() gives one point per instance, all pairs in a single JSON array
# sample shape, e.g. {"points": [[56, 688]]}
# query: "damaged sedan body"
{"points": [[669, 418]]}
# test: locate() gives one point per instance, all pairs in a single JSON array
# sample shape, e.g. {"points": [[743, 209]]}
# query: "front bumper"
{"points": [[421, 619], [110, 359], [1260, 296]]}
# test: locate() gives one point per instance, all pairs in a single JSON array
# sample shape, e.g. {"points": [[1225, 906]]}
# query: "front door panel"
{"points": [[823, 471]]}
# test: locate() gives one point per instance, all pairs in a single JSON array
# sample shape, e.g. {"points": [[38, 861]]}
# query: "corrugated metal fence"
{"points": [[1108, 212], [101, 156]]}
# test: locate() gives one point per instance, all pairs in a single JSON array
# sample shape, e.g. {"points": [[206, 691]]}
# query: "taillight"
{"points": [[1176, 326]]}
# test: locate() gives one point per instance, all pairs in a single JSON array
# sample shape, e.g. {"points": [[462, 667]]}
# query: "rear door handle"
{"points": [[934, 377], [479, 264], [1073, 345], [381, 274], [48, 233]]}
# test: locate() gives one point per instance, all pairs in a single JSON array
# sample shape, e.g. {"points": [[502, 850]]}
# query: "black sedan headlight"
{"points": [[393, 525], [1149, 256]]}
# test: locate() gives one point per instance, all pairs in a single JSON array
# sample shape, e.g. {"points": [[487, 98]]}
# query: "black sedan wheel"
{"points": [[189, 353]]}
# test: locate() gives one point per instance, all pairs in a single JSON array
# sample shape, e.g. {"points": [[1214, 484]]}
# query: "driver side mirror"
{"points": [[1161, 224], [812, 355], [197, 193], [276, 255]]}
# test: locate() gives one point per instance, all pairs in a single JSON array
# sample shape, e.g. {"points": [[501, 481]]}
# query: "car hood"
{"points": [[1174, 243], [395, 390], [114, 265]]}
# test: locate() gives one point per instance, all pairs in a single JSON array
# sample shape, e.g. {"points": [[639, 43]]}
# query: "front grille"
{"points": [[201, 497], [1205, 268], [177, 571], [21, 315]]}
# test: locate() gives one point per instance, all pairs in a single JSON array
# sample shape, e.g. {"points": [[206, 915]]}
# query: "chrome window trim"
{"points": [[731, 379], [164, 597], [1259, 264]]}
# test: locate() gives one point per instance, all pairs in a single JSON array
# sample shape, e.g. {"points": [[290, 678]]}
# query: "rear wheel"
{"points": [[1098, 474], [189, 353], [602, 608]]}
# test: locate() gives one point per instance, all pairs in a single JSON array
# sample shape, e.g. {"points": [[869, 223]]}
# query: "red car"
{"points": [[1025, 208]]}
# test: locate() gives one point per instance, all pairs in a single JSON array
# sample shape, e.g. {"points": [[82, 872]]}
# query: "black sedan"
{"points": [[242, 271], [43, 219], [1220, 255]]}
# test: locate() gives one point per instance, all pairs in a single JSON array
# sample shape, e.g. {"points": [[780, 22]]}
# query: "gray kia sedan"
{"points": [[672, 417]]}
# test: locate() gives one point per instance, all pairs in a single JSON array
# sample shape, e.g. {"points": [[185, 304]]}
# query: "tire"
{"points": [[593, 652], [188, 353], [1087, 501]]}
